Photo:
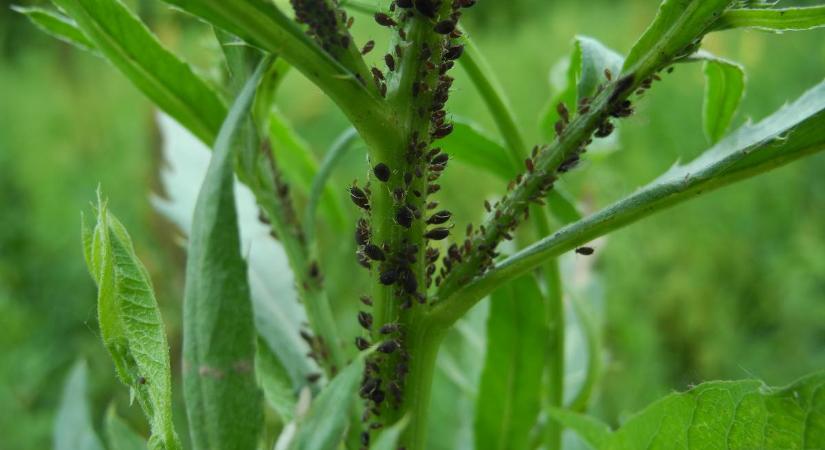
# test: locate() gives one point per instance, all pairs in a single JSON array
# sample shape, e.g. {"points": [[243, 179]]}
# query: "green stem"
{"points": [[554, 389]]}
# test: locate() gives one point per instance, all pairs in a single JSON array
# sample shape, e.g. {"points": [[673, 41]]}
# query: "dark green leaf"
{"points": [[57, 25], [676, 31], [134, 50], [326, 422], [222, 397], [508, 398], [724, 89], [73, 428], [120, 435], [470, 146], [130, 323], [776, 20], [722, 415]]}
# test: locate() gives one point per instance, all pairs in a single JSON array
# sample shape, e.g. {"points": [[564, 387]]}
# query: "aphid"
{"points": [[377, 396], [365, 438], [141, 380], [365, 319], [444, 27], [362, 343], [384, 20], [369, 385], [376, 426], [404, 3], [388, 347], [440, 217], [388, 277], [433, 188], [313, 377], [350, 22], [432, 205], [409, 282], [362, 232], [586, 251], [487, 206], [365, 299], [443, 131], [426, 7], [559, 127], [359, 197], [314, 271], [390, 62], [363, 260], [404, 217], [608, 74], [440, 159], [374, 252], [389, 328], [605, 129], [377, 74], [561, 108], [437, 234], [382, 172], [622, 85], [529, 164], [454, 52]]}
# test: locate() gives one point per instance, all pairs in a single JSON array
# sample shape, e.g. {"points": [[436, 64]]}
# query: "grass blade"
{"points": [[222, 397], [73, 428], [126, 42]]}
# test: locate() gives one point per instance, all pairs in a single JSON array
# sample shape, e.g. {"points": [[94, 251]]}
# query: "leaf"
{"points": [[728, 415], [594, 432], [278, 314], [508, 398], [120, 435], [223, 401], [468, 144], [724, 89], [563, 205], [388, 439], [57, 25], [585, 72], [130, 323], [73, 428], [275, 382], [675, 32], [776, 20], [326, 421], [160, 75]]}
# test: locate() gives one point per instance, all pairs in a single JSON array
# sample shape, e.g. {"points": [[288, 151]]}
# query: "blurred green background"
{"points": [[729, 286]]}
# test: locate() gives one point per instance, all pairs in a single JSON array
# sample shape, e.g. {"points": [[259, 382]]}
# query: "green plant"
{"points": [[416, 294]]}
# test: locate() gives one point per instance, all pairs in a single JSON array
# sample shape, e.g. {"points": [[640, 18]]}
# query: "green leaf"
{"points": [[676, 31], [776, 20], [73, 429], [326, 422], [388, 439], [223, 401], [130, 323], [468, 144], [275, 382], [563, 205], [57, 25], [120, 435], [508, 398], [727, 415], [160, 75], [594, 432], [724, 89]]}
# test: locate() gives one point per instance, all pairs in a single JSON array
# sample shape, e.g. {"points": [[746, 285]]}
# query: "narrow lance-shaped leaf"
{"points": [[119, 435], [776, 20], [275, 382], [724, 89], [722, 415], [388, 439], [73, 428], [130, 323], [223, 401], [327, 419], [508, 398], [126, 42], [57, 25], [469, 145]]}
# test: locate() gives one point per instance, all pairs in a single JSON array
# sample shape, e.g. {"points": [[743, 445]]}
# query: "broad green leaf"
{"points": [[130, 323], [223, 401], [724, 89], [326, 422], [73, 429], [160, 75], [298, 164], [508, 397], [120, 435], [388, 439], [57, 25], [776, 20], [275, 382], [725, 415], [468, 144], [676, 31]]}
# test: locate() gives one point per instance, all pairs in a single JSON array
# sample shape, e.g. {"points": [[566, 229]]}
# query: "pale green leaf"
{"points": [[388, 439], [508, 397], [594, 432], [776, 20], [469, 145], [160, 75], [324, 426], [120, 435], [222, 397], [73, 429], [130, 323], [676, 31], [57, 25], [724, 89], [275, 382]]}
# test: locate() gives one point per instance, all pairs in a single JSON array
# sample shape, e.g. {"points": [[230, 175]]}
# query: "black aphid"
{"points": [[388, 347], [384, 20], [440, 217], [362, 232], [444, 27], [362, 343], [437, 234], [374, 252], [359, 197], [586, 251], [365, 319], [388, 277], [404, 216], [390, 62], [389, 328], [368, 47], [313, 377], [454, 52]]}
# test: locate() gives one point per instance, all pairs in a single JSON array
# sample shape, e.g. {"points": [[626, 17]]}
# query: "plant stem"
{"points": [[554, 388]]}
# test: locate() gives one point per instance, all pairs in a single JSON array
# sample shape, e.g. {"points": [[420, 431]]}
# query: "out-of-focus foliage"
{"points": [[727, 287]]}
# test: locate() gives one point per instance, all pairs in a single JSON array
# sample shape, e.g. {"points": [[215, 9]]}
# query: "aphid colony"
{"points": [[324, 25]]}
